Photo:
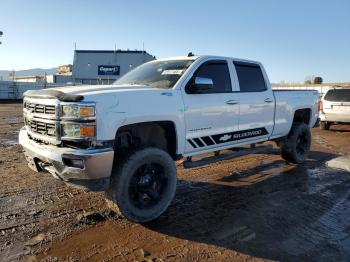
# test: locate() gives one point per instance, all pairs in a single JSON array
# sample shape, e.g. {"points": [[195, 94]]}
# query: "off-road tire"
{"points": [[324, 125], [123, 179], [295, 147]]}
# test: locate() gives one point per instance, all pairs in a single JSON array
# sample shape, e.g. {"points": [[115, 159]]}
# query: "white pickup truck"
{"points": [[126, 136]]}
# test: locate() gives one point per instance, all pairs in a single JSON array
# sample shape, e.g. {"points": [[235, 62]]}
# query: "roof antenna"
{"points": [[190, 54]]}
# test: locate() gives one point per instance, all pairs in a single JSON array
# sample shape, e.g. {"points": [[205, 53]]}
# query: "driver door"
{"points": [[211, 115]]}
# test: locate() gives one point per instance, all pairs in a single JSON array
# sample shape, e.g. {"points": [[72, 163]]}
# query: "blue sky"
{"points": [[293, 38]]}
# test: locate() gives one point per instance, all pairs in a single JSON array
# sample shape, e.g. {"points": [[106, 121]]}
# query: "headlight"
{"points": [[78, 111], [78, 130]]}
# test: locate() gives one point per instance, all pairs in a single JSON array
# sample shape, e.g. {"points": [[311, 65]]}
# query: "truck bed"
{"points": [[288, 101]]}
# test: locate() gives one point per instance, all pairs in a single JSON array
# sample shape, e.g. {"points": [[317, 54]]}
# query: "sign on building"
{"points": [[108, 70]]}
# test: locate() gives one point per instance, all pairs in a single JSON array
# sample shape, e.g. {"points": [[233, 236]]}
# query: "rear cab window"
{"points": [[250, 77], [338, 95]]}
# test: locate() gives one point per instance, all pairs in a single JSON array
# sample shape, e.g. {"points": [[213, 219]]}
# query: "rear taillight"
{"points": [[320, 106]]}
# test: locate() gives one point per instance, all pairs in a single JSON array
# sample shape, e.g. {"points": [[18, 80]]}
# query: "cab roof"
{"points": [[195, 57]]}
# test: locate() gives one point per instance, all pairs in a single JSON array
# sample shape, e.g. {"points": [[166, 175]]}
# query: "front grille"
{"points": [[42, 128], [41, 109], [41, 120]]}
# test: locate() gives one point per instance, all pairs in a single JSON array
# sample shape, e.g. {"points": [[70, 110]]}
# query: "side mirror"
{"points": [[201, 84]]}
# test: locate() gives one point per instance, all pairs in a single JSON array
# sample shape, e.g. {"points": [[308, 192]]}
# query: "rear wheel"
{"points": [[295, 147], [325, 125], [143, 184]]}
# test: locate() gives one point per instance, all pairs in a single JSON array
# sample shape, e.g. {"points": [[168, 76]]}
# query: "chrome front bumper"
{"points": [[95, 164]]}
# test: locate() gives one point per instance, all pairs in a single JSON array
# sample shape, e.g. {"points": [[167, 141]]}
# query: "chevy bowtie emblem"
{"points": [[225, 138]]}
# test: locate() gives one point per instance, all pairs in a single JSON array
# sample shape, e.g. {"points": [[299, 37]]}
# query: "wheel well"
{"points": [[160, 134], [302, 115]]}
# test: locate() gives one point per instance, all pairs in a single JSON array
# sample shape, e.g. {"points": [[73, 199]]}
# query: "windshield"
{"points": [[158, 74]]}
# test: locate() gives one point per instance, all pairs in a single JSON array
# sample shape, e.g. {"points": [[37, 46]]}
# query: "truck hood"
{"points": [[79, 93], [96, 89]]}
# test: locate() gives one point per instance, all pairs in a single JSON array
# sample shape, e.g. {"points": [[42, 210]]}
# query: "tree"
{"points": [[307, 82], [318, 80]]}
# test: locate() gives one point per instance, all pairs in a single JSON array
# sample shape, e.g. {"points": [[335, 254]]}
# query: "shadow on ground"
{"points": [[343, 128], [296, 212]]}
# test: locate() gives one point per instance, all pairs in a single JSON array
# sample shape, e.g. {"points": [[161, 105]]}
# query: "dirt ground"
{"points": [[252, 208]]}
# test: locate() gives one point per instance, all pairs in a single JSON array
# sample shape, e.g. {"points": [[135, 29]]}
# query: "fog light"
{"points": [[74, 162]]}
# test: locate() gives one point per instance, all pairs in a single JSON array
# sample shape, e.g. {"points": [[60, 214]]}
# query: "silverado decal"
{"points": [[226, 137]]}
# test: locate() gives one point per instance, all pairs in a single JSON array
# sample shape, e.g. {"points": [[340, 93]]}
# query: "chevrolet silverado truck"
{"points": [[125, 137]]}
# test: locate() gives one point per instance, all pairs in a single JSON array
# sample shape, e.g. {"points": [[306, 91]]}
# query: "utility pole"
{"points": [[143, 52], [12, 74], [115, 54], [45, 82]]}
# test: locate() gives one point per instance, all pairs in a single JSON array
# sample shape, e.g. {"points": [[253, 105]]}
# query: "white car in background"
{"points": [[335, 107]]}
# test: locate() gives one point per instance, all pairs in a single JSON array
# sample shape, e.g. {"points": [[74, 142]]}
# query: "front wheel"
{"points": [[143, 184], [295, 147]]}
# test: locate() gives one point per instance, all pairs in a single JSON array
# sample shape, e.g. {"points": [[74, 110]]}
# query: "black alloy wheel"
{"points": [[147, 185]]}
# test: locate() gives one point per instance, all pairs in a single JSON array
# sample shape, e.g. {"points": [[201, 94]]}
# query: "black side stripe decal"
{"points": [[227, 137], [192, 144], [198, 142], [208, 140]]}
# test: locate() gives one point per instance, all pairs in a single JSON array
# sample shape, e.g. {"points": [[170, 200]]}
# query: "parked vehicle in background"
{"points": [[335, 107], [130, 133]]}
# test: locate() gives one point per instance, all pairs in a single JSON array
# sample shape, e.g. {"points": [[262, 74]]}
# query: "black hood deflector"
{"points": [[49, 93]]}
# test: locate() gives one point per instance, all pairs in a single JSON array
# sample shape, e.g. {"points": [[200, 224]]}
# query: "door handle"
{"points": [[268, 100], [232, 102]]}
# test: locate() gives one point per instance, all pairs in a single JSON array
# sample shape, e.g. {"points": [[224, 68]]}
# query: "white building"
{"points": [[105, 66], [59, 78], [30, 79]]}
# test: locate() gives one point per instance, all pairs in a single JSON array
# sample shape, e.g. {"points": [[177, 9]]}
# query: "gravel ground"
{"points": [[253, 208]]}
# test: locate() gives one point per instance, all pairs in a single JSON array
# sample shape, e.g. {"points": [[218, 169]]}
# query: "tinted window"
{"points": [[219, 73], [250, 77], [338, 95]]}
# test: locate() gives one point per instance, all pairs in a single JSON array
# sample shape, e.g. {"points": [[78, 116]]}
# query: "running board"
{"points": [[217, 157]]}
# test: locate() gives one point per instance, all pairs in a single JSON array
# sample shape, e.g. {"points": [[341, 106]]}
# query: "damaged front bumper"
{"points": [[80, 167]]}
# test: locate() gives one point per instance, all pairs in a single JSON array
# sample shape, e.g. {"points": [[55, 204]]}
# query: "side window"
{"points": [[250, 77], [219, 73]]}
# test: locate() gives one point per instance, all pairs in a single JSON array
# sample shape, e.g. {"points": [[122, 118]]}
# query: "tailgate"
{"points": [[336, 107]]}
